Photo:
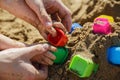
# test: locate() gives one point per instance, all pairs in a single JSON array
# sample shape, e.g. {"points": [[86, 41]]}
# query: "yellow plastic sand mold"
{"points": [[110, 18]]}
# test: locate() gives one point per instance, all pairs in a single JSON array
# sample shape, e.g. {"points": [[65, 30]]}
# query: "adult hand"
{"points": [[37, 12], [15, 63], [56, 9], [46, 59]]}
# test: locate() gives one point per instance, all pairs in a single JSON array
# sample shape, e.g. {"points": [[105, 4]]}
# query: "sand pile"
{"points": [[86, 10], [83, 12], [97, 44]]}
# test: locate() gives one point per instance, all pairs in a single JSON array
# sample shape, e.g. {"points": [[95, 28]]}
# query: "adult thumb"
{"points": [[38, 7], [32, 51]]}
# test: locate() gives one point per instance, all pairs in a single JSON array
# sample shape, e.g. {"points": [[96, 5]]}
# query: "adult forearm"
{"points": [[4, 4], [20, 9], [6, 43], [1, 3]]}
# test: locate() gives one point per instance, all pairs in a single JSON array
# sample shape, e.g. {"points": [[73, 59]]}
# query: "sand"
{"points": [[81, 40]]}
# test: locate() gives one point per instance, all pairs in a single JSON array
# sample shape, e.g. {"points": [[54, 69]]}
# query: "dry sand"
{"points": [[81, 40]]}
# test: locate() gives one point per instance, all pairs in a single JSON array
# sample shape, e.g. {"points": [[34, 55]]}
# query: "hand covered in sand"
{"points": [[15, 63], [40, 13]]}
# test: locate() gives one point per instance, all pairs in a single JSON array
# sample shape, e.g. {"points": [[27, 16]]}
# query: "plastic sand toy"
{"points": [[74, 26], [81, 66], [110, 18], [102, 26], [113, 55], [61, 55], [59, 40]]}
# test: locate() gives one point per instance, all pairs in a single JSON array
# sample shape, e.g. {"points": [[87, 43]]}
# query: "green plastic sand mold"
{"points": [[61, 55], [81, 66]]}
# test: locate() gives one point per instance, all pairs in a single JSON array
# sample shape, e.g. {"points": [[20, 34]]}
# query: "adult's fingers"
{"points": [[59, 25], [38, 7], [39, 59], [50, 56], [52, 48], [55, 17], [46, 60], [26, 53], [39, 49], [65, 15]]}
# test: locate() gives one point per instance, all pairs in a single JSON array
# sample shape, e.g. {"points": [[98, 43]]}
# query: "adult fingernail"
{"points": [[52, 48], [46, 46], [49, 24]]}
